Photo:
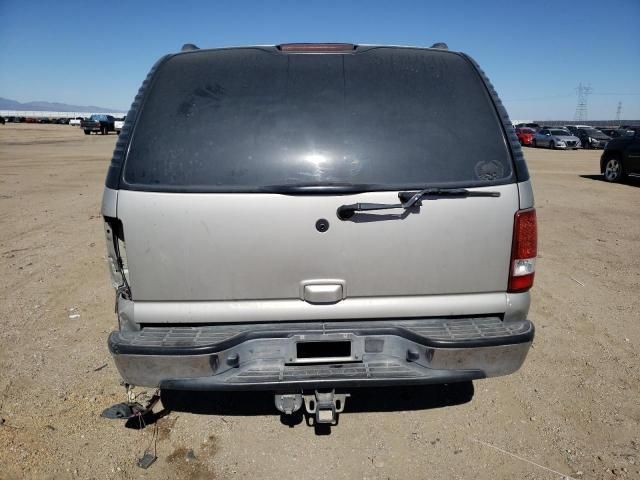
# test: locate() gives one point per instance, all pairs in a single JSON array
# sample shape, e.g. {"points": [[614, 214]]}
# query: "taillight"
{"points": [[116, 252], [523, 251], [124, 264]]}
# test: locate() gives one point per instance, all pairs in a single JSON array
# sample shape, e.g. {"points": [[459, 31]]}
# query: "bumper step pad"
{"points": [[480, 331]]}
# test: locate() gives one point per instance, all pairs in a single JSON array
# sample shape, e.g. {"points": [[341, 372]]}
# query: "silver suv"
{"points": [[306, 217]]}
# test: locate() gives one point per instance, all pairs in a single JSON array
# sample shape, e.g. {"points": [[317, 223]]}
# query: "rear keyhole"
{"points": [[322, 225]]}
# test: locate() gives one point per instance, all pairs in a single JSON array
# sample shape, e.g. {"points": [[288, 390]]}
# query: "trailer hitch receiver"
{"points": [[325, 406]]}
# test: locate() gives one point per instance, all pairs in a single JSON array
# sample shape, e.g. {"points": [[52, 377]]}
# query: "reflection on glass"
{"points": [[316, 158]]}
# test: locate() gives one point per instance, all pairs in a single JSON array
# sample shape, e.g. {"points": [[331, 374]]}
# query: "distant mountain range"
{"points": [[7, 104]]}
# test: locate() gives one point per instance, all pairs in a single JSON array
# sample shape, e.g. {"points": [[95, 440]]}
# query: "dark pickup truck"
{"points": [[98, 123]]}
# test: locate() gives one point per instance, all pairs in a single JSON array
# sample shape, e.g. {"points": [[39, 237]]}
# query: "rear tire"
{"points": [[87, 132], [534, 144], [613, 171]]}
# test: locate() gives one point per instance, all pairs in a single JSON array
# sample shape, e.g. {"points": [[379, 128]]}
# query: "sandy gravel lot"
{"points": [[574, 408]]}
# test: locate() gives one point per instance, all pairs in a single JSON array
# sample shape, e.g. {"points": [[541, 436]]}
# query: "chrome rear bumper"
{"points": [[266, 356]]}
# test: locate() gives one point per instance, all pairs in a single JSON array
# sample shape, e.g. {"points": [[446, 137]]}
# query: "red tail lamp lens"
{"points": [[524, 251]]}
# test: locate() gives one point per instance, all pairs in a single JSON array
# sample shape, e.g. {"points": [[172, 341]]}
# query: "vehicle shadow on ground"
{"points": [[380, 399], [630, 181]]}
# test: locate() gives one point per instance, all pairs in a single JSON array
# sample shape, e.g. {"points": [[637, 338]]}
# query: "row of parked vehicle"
{"points": [[14, 119], [570, 137], [103, 124], [621, 145]]}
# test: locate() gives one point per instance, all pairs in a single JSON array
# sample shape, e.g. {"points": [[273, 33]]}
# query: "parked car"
{"points": [[553, 126], [118, 124], [264, 242], [556, 138], [533, 126], [98, 123], [566, 130], [616, 132], [621, 157], [574, 128], [75, 122], [592, 138], [525, 135]]}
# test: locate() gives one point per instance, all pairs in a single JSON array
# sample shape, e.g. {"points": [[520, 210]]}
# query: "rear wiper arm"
{"points": [[411, 199]]}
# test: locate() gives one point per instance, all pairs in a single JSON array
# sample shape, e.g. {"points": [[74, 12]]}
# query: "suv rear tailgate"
{"points": [[256, 247]]}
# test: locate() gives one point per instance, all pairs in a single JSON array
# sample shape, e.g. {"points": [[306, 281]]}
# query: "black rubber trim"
{"points": [[121, 148], [118, 347], [215, 384], [521, 170]]}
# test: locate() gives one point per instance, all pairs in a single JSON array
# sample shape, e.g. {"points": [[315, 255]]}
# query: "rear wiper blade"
{"points": [[411, 199]]}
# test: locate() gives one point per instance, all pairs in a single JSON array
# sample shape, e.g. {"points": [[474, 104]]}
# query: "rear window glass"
{"points": [[245, 119]]}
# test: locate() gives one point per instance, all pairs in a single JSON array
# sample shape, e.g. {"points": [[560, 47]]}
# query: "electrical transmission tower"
{"points": [[581, 107], [618, 112]]}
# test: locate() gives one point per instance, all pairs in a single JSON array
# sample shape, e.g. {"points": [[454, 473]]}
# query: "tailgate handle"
{"points": [[326, 293]]}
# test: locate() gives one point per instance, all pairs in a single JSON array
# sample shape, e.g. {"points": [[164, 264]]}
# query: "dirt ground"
{"points": [[573, 409]]}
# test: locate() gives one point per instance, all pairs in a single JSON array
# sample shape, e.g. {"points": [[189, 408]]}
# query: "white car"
{"points": [[74, 122], [118, 125]]}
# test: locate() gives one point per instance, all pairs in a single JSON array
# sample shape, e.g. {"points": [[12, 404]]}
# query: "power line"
{"points": [[567, 95], [581, 108], [531, 99], [615, 93]]}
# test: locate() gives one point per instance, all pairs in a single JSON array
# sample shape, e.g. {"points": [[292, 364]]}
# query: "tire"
{"points": [[552, 145], [87, 132], [613, 170], [534, 144]]}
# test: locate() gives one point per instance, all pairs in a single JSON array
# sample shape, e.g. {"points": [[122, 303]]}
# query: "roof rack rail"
{"points": [[187, 47], [440, 45]]}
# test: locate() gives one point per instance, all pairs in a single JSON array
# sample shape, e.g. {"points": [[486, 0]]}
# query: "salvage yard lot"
{"points": [[573, 408]]}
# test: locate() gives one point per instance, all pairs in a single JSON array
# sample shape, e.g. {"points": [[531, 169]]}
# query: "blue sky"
{"points": [[535, 53]]}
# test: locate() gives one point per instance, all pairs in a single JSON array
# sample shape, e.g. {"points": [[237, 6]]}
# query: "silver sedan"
{"points": [[556, 138]]}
